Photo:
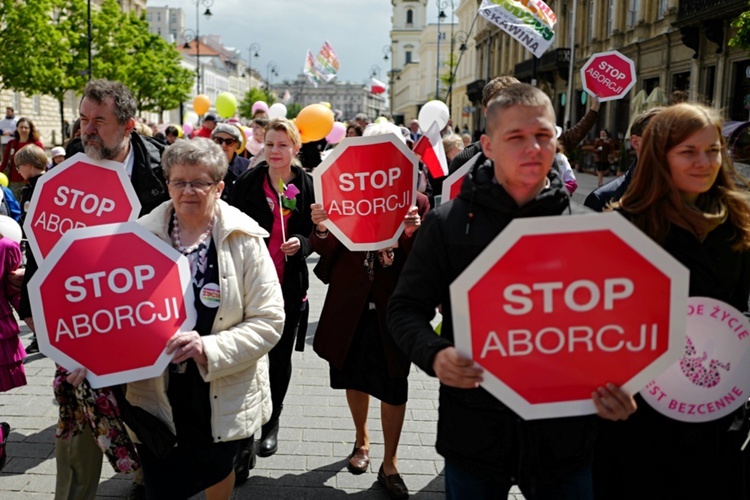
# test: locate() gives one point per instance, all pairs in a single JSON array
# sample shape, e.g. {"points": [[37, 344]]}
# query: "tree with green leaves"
{"points": [[742, 38], [245, 107]]}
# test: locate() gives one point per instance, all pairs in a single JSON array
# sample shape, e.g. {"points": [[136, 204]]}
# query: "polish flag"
{"points": [[430, 148], [376, 86]]}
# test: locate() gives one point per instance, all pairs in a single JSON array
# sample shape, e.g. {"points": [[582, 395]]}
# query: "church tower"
{"points": [[407, 21]]}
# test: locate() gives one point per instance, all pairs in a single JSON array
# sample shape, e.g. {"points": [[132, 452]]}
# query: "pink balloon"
{"points": [[337, 133], [187, 128], [260, 105]]}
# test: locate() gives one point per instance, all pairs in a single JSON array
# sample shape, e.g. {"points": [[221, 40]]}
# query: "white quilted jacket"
{"points": [[248, 324]]}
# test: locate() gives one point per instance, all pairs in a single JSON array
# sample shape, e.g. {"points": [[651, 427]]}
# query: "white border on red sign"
{"points": [[457, 176], [65, 165], [331, 159], [631, 236], [54, 256], [609, 52]]}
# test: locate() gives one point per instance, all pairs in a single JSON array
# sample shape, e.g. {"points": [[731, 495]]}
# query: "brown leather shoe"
{"points": [[359, 460], [394, 485]]}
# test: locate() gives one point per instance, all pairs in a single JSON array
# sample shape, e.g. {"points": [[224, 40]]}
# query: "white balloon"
{"points": [[277, 110], [431, 112], [191, 117], [10, 229]]}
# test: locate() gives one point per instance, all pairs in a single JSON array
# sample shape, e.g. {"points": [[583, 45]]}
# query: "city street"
{"points": [[316, 432]]}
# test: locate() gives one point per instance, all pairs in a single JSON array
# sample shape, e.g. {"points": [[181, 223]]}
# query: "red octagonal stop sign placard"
{"points": [[108, 298], [80, 192], [609, 75], [366, 186], [549, 326]]}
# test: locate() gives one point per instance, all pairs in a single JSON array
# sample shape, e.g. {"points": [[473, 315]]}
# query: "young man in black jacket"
{"points": [[487, 447]]}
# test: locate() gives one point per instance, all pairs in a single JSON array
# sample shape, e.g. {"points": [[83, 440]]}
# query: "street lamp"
{"points": [[442, 16], [197, 36], [462, 37], [271, 70], [254, 47], [375, 71], [190, 36], [389, 50]]}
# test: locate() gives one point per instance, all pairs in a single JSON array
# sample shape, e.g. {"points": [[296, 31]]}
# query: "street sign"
{"points": [[79, 192], [549, 328], [366, 186], [712, 378], [108, 298], [609, 75], [452, 183]]}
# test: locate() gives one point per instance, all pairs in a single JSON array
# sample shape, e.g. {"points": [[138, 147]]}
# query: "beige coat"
{"points": [[248, 324]]}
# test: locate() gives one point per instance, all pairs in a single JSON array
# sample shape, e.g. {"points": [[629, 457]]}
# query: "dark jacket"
{"points": [[148, 178], [663, 453], [349, 292], [612, 191], [237, 167], [250, 197], [475, 428]]}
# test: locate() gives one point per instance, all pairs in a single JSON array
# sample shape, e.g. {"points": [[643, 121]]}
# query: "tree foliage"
{"points": [[253, 95], [742, 38]]}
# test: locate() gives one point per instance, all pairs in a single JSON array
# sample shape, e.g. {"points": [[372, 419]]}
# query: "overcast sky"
{"points": [[285, 29]]}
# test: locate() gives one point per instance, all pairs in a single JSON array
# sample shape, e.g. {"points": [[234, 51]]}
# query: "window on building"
{"points": [[663, 5], [709, 85], [173, 18], [681, 81], [407, 57], [35, 104], [649, 84], [633, 6], [610, 16], [592, 20], [158, 17], [409, 16]]}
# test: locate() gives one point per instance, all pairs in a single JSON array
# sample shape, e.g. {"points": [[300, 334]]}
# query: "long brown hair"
{"points": [[33, 134], [653, 199]]}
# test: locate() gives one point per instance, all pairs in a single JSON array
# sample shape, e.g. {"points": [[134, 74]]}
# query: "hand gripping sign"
{"points": [[108, 298], [712, 378], [549, 328], [609, 75], [80, 192], [366, 186]]}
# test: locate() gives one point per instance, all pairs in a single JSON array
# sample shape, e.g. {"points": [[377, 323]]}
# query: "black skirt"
{"points": [[366, 367]]}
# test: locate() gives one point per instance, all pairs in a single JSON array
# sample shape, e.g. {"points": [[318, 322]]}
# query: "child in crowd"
{"points": [[58, 156]]}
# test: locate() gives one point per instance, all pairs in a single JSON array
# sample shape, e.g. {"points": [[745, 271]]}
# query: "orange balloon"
{"points": [[314, 122], [201, 104]]}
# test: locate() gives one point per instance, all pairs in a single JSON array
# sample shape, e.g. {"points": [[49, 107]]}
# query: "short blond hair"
{"points": [[31, 155]]}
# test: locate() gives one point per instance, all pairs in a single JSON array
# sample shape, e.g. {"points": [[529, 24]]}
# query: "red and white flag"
{"points": [[376, 86], [430, 148]]}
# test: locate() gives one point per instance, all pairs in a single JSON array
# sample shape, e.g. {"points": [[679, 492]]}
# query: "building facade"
{"points": [[350, 98]]}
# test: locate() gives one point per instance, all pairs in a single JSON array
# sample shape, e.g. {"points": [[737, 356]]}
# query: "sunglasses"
{"points": [[220, 140]]}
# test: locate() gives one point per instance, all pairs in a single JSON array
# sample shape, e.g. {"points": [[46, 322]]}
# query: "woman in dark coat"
{"points": [[352, 335], [274, 187], [685, 196]]}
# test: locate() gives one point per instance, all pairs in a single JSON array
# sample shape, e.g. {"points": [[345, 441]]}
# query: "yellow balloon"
{"points": [[326, 104], [226, 104], [3, 179], [314, 122], [201, 104]]}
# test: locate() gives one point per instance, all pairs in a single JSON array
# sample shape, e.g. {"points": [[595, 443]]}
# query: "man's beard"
{"points": [[94, 147]]}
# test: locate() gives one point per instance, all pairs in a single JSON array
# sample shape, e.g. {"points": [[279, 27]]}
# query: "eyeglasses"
{"points": [[201, 186], [220, 140]]}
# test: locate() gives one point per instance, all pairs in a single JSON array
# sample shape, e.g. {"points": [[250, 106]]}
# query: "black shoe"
{"points": [[137, 492], [244, 462], [394, 485], [33, 347], [5, 429], [269, 442]]}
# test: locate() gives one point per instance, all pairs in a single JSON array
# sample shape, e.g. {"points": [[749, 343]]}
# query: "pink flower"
{"points": [[121, 452], [291, 191], [104, 405], [124, 464]]}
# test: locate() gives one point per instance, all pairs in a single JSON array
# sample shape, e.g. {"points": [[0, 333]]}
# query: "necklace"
{"points": [[197, 254], [177, 243]]}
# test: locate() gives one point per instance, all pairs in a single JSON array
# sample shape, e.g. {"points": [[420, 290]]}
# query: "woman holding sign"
{"points": [[216, 391], [277, 193], [687, 197], [352, 334]]}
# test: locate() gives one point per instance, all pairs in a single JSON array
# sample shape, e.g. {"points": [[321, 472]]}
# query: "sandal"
{"points": [[4, 433]]}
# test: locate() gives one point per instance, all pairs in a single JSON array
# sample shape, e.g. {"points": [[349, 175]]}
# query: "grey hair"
{"points": [[384, 128], [199, 152], [122, 98]]}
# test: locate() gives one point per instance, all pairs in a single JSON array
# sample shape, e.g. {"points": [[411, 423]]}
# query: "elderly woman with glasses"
{"points": [[215, 392], [278, 193], [232, 141]]}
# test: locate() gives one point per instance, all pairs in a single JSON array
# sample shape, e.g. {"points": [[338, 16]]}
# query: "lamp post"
{"points": [[389, 50], [461, 37], [441, 16], [254, 47], [271, 70], [208, 14], [190, 36], [375, 71]]}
